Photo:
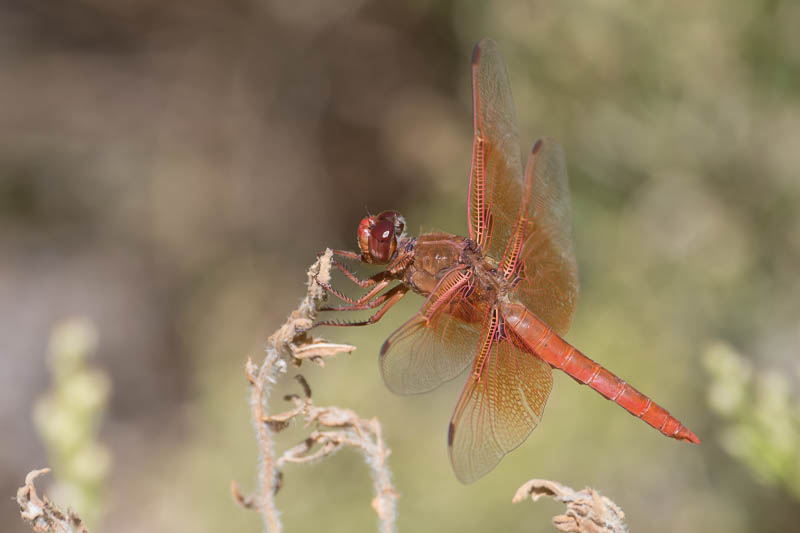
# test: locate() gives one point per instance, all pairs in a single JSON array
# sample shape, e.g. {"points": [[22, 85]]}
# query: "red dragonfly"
{"points": [[501, 299]]}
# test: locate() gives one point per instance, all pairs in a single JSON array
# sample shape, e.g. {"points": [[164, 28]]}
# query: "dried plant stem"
{"points": [[265, 499], [338, 427]]}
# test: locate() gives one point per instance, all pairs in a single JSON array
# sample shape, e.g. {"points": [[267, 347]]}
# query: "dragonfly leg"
{"points": [[379, 286], [369, 304], [391, 297], [345, 253], [363, 283], [396, 267]]}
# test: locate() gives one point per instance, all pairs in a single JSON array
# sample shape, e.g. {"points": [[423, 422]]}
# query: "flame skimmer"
{"points": [[501, 299]]}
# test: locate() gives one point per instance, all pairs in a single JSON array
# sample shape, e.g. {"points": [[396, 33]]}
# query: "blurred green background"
{"points": [[169, 170]]}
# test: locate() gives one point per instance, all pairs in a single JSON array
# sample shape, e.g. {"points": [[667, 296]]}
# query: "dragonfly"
{"points": [[498, 301]]}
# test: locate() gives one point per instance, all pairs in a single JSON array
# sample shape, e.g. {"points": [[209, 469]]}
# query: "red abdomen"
{"points": [[545, 343]]}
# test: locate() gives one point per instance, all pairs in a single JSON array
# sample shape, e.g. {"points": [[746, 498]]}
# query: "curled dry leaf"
{"points": [[318, 350], [241, 499], [587, 510], [42, 514]]}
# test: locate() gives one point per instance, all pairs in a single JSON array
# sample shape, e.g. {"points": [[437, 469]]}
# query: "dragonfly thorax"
{"points": [[435, 254]]}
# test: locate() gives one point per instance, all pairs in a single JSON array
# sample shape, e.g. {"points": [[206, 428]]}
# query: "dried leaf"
{"points": [[43, 515], [587, 510]]}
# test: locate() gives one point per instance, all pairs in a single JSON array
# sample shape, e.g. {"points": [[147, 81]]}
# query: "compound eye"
{"points": [[382, 241], [364, 233]]}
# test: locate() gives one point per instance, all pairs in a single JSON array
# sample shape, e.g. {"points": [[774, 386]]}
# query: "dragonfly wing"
{"points": [[496, 176], [544, 261], [437, 343], [501, 403]]}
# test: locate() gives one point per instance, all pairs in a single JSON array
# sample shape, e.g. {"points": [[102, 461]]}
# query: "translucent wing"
{"points": [[501, 403], [437, 343], [541, 254], [496, 176]]}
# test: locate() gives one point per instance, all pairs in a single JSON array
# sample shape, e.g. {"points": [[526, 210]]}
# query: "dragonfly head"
{"points": [[378, 236]]}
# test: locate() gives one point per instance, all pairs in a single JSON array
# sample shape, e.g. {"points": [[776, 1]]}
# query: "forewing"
{"points": [[437, 343], [501, 403], [546, 265], [496, 175]]}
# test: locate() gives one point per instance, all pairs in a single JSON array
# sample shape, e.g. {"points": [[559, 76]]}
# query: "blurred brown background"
{"points": [[169, 170]]}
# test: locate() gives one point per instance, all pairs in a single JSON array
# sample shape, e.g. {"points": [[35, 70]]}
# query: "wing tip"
{"points": [[384, 347], [476, 53], [482, 45], [451, 431], [537, 146]]}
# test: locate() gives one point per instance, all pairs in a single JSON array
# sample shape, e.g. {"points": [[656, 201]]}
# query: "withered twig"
{"points": [[291, 343], [42, 514], [587, 510]]}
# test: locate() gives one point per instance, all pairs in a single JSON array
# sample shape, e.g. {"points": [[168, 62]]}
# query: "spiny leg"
{"points": [[395, 267], [346, 253], [379, 286], [371, 304], [391, 297], [363, 283]]}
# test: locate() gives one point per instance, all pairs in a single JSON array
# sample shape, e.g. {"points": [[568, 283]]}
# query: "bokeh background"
{"points": [[168, 170]]}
